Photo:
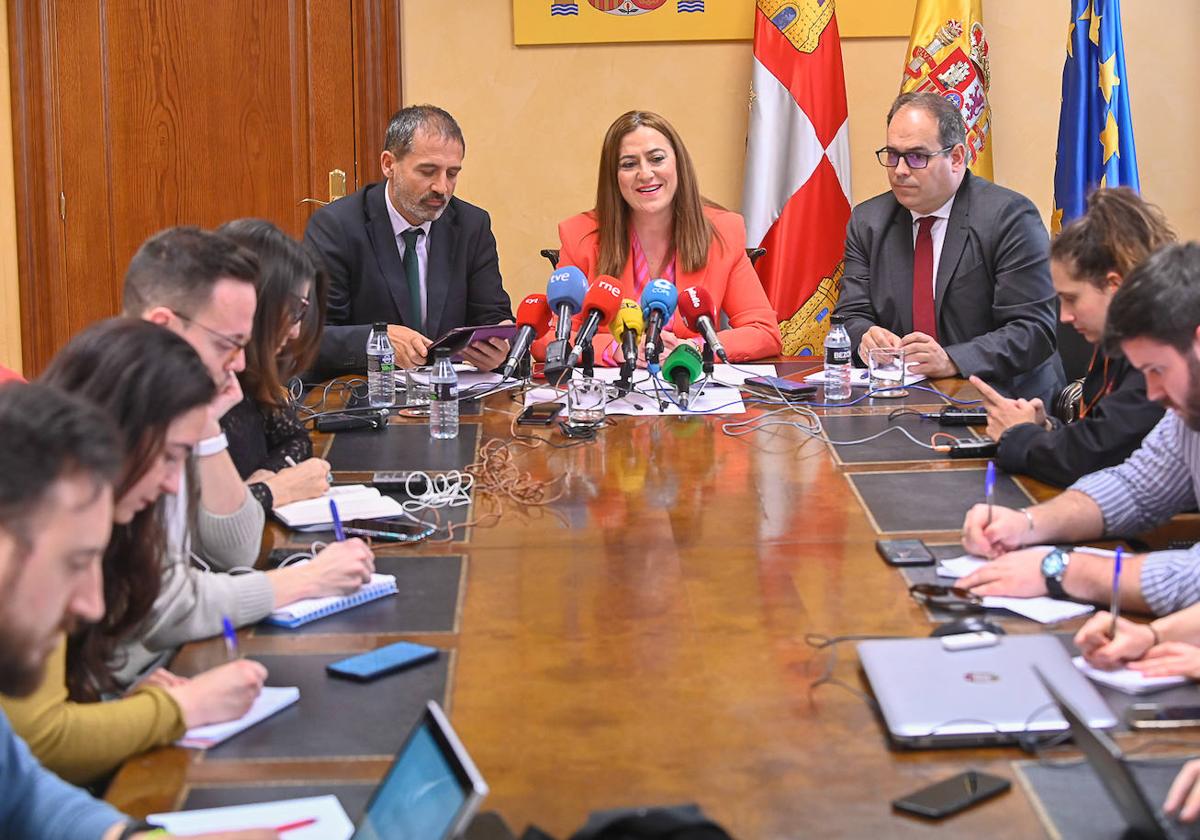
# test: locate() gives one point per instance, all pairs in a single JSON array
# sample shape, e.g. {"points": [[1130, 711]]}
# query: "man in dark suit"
{"points": [[407, 252], [948, 265]]}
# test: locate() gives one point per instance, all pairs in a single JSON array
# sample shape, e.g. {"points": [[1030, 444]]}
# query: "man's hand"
{"points": [[1018, 575], [486, 355], [1007, 531], [931, 360], [1131, 642], [307, 480], [410, 346], [874, 338], [1170, 659], [1004, 413]]}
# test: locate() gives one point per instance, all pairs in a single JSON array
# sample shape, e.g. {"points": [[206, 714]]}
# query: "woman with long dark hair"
{"points": [[157, 390]]}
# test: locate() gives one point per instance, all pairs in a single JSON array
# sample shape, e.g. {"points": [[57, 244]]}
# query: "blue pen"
{"points": [[337, 522], [231, 645], [989, 487], [1115, 606]]}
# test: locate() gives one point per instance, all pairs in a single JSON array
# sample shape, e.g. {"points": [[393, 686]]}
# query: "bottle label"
{"points": [[444, 391], [374, 364], [837, 355]]}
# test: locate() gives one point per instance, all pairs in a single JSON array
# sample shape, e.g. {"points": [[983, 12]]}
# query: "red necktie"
{"points": [[924, 319]]}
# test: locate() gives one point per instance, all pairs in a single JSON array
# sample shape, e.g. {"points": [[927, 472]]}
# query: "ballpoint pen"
{"points": [[337, 522], [989, 488], [1115, 606], [231, 645]]}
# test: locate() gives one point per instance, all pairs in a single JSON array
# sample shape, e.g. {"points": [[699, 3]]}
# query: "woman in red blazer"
{"points": [[650, 222]]}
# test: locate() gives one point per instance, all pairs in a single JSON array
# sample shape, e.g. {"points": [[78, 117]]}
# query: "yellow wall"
{"points": [[10, 307], [534, 116]]}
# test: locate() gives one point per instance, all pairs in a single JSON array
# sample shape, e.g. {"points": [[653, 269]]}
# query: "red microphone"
{"points": [[533, 319], [600, 305], [696, 310]]}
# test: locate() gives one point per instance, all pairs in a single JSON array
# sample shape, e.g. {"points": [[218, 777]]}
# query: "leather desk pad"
{"points": [[891, 447], [929, 500], [402, 446]]}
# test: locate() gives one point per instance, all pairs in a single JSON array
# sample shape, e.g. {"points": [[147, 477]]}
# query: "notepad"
{"points": [[1127, 680], [299, 613], [330, 819], [1042, 609], [354, 501], [271, 700]]}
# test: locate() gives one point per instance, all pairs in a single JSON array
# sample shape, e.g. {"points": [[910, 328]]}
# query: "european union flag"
{"points": [[1095, 129]]}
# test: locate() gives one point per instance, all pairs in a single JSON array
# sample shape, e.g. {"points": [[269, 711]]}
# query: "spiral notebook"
{"points": [[303, 611]]}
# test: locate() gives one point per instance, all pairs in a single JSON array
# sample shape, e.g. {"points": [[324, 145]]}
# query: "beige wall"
{"points": [[534, 116], [10, 306]]}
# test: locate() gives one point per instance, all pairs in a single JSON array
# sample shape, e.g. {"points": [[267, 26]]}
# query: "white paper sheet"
{"points": [[861, 377], [331, 820], [1042, 609], [714, 399], [272, 699], [354, 501], [1126, 679]]}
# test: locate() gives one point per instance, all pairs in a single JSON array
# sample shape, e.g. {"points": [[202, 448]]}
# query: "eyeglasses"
{"points": [[915, 160], [230, 345], [949, 598], [299, 307]]}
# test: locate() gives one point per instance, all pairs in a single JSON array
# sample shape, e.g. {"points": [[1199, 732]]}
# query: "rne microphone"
{"points": [[533, 319], [683, 367], [658, 305], [600, 306], [696, 309], [627, 328], [564, 292]]}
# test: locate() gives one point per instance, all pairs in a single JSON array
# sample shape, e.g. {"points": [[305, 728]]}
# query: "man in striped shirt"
{"points": [[1154, 320]]}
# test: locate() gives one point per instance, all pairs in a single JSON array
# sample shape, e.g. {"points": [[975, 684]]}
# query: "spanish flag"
{"points": [[948, 54]]}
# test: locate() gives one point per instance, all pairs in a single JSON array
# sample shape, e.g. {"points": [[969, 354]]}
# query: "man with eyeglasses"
{"points": [[948, 265]]}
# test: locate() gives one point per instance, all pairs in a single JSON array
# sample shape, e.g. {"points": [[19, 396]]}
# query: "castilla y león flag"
{"points": [[796, 197]]}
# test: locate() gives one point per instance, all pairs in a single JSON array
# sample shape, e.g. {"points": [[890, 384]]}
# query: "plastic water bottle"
{"points": [[443, 398], [381, 367], [837, 360]]}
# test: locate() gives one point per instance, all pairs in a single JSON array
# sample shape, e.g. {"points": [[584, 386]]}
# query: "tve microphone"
{"points": [[601, 304], [658, 305], [564, 292], [627, 328], [533, 319], [683, 367], [696, 309]]}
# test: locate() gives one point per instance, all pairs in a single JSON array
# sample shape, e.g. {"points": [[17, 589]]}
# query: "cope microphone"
{"points": [[533, 319], [658, 305], [696, 309], [683, 367], [627, 328], [564, 293], [600, 305]]}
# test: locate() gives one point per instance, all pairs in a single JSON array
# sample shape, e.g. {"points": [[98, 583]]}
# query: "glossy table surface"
{"points": [[642, 640]]}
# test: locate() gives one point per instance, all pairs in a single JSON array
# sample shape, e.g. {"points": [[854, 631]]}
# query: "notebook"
{"points": [[1043, 609], [271, 700], [1127, 680], [299, 613], [354, 501]]}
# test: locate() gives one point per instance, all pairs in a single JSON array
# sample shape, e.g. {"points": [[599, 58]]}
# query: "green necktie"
{"points": [[412, 271]]}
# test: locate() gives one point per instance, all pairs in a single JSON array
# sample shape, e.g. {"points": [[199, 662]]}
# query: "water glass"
{"points": [[585, 401], [886, 366]]}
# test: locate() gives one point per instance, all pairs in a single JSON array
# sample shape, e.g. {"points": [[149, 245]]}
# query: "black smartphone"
{"points": [[904, 552], [776, 385], [385, 660], [1158, 716], [388, 530], [952, 795], [540, 414]]}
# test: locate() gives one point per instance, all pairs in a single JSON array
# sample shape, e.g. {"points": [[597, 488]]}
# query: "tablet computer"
{"points": [[458, 338]]}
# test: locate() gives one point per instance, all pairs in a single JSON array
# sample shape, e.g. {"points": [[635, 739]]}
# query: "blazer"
{"points": [[727, 275], [354, 236], [995, 305]]}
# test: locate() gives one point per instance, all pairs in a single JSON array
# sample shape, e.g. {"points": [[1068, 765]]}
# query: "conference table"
{"points": [[641, 640]]}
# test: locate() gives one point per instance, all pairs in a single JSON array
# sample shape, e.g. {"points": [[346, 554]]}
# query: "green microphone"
{"points": [[683, 367]]}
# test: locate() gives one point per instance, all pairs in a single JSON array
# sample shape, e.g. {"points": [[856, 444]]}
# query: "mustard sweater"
{"points": [[84, 742]]}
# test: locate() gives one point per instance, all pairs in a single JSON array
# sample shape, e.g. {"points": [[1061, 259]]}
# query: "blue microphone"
{"points": [[564, 292], [658, 305]]}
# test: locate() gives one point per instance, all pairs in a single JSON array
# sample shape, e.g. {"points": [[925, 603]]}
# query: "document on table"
{"points": [[645, 401], [469, 377], [329, 819], [861, 377], [271, 701], [354, 501], [1041, 609], [1127, 680]]}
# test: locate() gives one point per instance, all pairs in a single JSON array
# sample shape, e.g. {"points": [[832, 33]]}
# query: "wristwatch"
{"points": [[1054, 566]]}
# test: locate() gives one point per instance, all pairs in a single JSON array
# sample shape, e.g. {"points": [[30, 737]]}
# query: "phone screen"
{"points": [[904, 552], [385, 660], [952, 795], [1178, 713], [540, 414]]}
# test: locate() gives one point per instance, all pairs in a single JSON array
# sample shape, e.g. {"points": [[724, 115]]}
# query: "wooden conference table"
{"points": [[643, 642]]}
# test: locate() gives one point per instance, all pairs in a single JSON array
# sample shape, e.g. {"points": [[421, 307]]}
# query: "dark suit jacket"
{"points": [[366, 276], [995, 305]]}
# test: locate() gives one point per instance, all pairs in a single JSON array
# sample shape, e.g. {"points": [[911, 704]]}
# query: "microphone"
{"points": [[602, 301], [696, 309], [658, 305], [533, 319], [564, 293], [683, 367], [627, 327]]}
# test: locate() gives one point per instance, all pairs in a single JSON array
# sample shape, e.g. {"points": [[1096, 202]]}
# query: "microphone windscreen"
{"points": [[566, 285], [534, 312], [659, 295], [604, 295], [694, 303], [628, 318], [684, 356]]}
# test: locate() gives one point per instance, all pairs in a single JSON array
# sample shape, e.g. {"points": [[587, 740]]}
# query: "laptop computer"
{"points": [[932, 697], [1142, 812]]}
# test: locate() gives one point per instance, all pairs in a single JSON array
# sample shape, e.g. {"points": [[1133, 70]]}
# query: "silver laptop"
{"points": [[933, 697]]}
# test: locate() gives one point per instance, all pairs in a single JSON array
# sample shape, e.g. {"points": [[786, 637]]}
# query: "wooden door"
{"points": [[135, 115]]}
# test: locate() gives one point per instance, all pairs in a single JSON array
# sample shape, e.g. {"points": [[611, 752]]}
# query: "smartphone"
{"points": [[388, 530], [1158, 716], [460, 337], [790, 388], [904, 552], [539, 414], [385, 660], [952, 795]]}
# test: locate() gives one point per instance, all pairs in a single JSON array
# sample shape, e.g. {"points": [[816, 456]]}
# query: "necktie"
{"points": [[412, 272], [924, 319]]}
